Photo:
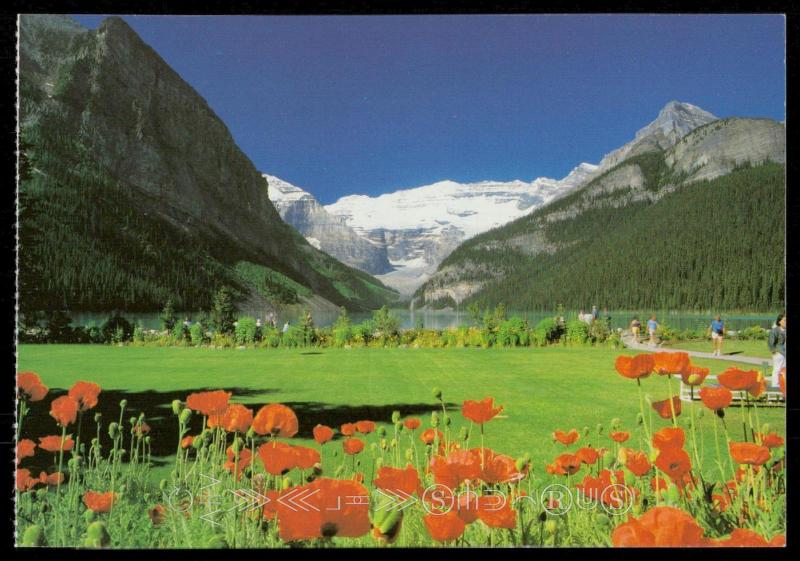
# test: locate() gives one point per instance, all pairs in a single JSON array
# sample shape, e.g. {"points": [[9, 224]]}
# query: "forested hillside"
{"points": [[715, 244]]}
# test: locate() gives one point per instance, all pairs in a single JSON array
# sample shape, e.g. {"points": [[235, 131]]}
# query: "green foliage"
{"points": [[116, 329], [58, 325], [548, 330], [715, 244], [342, 332], [577, 332], [246, 328], [513, 333], [385, 323], [197, 334], [223, 312], [179, 332], [168, 317]]}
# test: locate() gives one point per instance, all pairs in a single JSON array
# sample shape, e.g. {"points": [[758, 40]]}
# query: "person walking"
{"points": [[286, 327], [652, 325], [595, 313], [717, 329], [636, 325], [777, 346]]}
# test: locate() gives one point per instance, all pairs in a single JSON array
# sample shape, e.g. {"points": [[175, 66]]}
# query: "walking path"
{"points": [[627, 340]]}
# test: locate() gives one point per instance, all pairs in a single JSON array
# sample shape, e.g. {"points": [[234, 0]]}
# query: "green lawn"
{"points": [[541, 389], [756, 349]]}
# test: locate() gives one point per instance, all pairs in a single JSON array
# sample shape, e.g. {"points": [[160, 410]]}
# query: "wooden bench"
{"points": [[772, 396]]}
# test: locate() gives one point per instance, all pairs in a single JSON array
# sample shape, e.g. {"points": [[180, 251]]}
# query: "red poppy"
{"points": [[444, 527], [587, 455], [348, 429], [748, 453], [306, 458], [566, 438], [455, 468], [674, 462], [671, 363], [620, 436], [322, 434], [495, 511], [722, 501], [365, 427], [412, 423], [639, 366], [742, 537], [333, 508], [237, 418], [480, 411], [239, 463], [782, 381], [53, 443], [716, 398], [187, 441], [428, 436], [638, 463], [52, 479], [30, 387], [664, 410], [86, 394], [498, 468], [771, 440], [352, 446], [607, 488], [25, 449], [157, 514], [141, 429], [397, 481], [759, 387], [567, 464], [276, 419], [662, 526], [64, 410], [669, 437], [695, 376], [209, 403], [24, 480], [277, 457], [98, 502], [737, 380]]}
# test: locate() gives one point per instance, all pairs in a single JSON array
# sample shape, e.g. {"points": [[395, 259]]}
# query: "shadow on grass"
{"points": [[164, 426]]}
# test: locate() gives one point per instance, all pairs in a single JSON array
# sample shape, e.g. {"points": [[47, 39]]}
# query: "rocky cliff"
{"points": [[103, 104]]}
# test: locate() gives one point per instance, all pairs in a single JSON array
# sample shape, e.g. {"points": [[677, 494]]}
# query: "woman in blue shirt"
{"points": [[652, 325], [717, 329]]}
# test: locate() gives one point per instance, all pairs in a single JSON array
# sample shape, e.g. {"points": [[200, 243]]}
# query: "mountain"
{"points": [[323, 230], [134, 192], [682, 217], [421, 226]]}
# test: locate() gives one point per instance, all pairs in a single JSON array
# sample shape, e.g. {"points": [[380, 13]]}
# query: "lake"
{"points": [[441, 319]]}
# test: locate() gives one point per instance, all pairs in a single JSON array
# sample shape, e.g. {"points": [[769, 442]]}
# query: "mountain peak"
{"points": [[677, 119]]}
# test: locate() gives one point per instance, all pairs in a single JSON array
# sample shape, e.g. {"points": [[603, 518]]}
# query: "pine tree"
{"points": [[223, 312]]}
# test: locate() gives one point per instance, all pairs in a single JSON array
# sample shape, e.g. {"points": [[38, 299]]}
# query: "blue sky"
{"points": [[370, 104]]}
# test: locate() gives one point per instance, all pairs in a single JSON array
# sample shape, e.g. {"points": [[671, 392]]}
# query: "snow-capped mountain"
{"points": [[324, 231], [421, 226]]}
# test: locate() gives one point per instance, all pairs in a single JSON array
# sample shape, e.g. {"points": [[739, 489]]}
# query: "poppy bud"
{"points": [[435, 419], [132, 421], [720, 413], [387, 523], [378, 463], [615, 423], [550, 526], [599, 428], [522, 462], [381, 431], [395, 416], [639, 419], [147, 439], [185, 415], [141, 417], [586, 431], [97, 535], [409, 454], [88, 515], [197, 443], [398, 426], [123, 404], [463, 433], [694, 379], [542, 516], [437, 393], [237, 445], [251, 434], [394, 443], [122, 452], [113, 430], [286, 483], [177, 406], [162, 484], [83, 448], [765, 428], [383, 444], [33, 536], [97, 417], [174, 474], [447, 421]]}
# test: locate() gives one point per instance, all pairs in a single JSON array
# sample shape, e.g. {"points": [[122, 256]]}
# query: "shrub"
{"points": [[362, 332], [599, 331], [548, 330], [342, 331], [168, 317], [577, 332], [223, 312], [138, 332], [513, 332], [386, 324], [197, 334], [179, 332], [245, 330], [116, 329]]}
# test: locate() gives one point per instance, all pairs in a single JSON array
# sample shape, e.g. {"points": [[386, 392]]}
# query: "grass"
{"points": [[732, 347], [541, 389]]}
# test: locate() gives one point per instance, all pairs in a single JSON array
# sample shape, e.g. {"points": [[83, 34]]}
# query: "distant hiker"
{"points": [[636, 325], [187, 323], [258, 323], [652, 325], [717, 329], [595, 313], [585, 318], [286, 327], [777, 346]]}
